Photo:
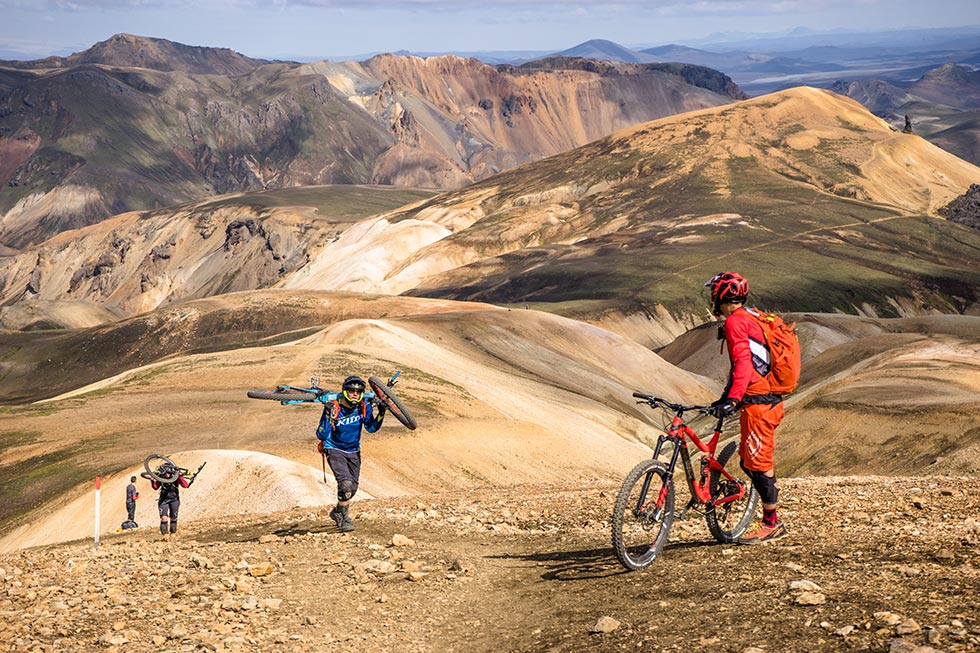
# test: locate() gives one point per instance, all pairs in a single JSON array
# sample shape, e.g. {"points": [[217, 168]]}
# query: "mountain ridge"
{"points": [[132, 51], [178, 136], [588, 233]]}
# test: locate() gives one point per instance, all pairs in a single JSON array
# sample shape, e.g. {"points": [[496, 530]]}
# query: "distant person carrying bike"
{"points": [[752, 390], [340, 434], [169, 502]]}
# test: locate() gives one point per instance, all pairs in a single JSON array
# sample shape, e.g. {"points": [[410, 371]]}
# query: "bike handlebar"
{"points": [[679, 408]]}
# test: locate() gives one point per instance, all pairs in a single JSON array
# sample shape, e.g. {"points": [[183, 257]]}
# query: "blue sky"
{"points": [[335, 28]]}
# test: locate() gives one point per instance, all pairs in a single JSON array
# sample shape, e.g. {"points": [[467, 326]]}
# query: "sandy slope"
{"points": [[59, 314], [496, 393], [503, 397]]}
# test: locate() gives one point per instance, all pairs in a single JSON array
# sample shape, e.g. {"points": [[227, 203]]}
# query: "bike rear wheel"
{"points": [[282, 395], [640, 527], [154, 460], [728, 521]]}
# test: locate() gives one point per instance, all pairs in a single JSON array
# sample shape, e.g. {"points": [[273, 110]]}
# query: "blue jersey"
{"points": [[340, 427]]}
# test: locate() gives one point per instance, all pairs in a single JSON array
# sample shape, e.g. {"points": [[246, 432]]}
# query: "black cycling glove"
{"points": [[724, 407]]}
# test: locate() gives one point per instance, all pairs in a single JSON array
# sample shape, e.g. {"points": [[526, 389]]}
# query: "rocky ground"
{"points": [[871, 564]]}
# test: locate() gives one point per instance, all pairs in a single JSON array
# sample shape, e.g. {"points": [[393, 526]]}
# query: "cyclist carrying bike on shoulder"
{"points": [[748, 391], [169, 502], [339, 433]]}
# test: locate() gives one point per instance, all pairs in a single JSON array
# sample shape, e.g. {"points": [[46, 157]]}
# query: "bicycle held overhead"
{"points": [[346, 414], [381, 394], [644, 510]]}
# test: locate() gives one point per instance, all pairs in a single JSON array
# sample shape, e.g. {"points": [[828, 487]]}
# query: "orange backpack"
{"points": [[784, 351]]}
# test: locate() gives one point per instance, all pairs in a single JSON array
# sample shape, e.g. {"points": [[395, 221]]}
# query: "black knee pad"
{"points": [[766, 487], [346, 490]]}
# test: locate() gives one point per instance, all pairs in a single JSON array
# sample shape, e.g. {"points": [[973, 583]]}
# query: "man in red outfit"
{"points": [[748, 390]]}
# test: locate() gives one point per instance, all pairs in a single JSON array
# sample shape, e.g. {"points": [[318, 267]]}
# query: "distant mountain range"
{"points": [[763, 71], [607, 232], [895, 73], [932, 45], [929, 75], [136, 123]]}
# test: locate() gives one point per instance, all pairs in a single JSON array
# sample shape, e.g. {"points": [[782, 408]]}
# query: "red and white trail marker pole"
{"points": [[98, 491]]}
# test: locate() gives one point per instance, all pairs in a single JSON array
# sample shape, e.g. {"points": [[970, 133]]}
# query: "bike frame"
{"points": [[678, 434], [322, 396], [326, 396]]}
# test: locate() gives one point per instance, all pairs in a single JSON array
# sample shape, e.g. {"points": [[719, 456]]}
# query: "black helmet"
{"points": [[167, 470], [354, 383]]}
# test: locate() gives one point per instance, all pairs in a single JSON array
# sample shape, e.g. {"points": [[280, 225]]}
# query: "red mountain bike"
{"points": [[644, 510]]}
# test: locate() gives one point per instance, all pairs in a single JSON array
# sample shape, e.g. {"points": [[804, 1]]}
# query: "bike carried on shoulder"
{"points": [[382, 395], [161, 469], [644, 509]]}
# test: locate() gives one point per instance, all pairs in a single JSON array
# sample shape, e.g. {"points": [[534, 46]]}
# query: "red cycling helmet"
{"points": [[727, 287]]}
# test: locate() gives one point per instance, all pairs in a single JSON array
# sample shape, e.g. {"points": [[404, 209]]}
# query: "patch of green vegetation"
{"points": [[340, 203], [422, 377], [9, 351], [11, 439], [49, 166], [286, 336], [246, 363], [95, 394], [144, 377], [847, 124], [33, 410], [29, 483], [333, 367]]}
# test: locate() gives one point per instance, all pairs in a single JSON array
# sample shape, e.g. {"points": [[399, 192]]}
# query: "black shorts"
{"points": [[345, 465], [169, 508]]}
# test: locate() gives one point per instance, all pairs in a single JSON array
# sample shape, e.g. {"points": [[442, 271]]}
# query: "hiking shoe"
{"points": [[346, 525], [764, 534], [337, 516]]}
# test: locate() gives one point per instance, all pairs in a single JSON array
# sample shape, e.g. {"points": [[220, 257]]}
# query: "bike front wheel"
{"points": [[386, 395], [643, 515], [728, 521]]}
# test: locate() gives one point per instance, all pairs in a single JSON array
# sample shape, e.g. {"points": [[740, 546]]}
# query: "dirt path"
{"points": [[870, 562]]}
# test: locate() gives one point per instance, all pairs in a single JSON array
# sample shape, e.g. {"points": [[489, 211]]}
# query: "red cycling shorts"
{"points": [[759, 422]]}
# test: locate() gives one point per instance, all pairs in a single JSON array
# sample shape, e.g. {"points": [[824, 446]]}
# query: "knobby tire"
{"points": [[282, 395], [729, 521], [637, 538], [392, 403], [151, 472]]}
